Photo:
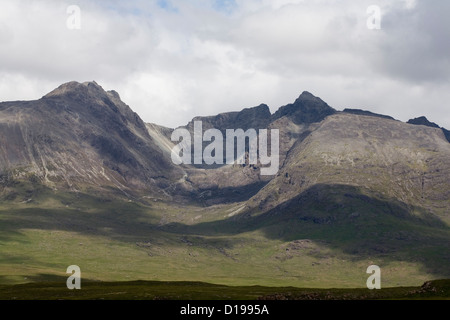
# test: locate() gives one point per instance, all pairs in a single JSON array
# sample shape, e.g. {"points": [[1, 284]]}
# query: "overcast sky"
{"points": [[171, 60]]}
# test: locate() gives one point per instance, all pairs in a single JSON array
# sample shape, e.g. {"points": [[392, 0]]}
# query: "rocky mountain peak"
{"points": [[423, 121], [306, 109], [263, 109], [91, 98], [307, 96], [94, 87], [66, 88], [79, 134], [78, 90], [254, 117], [258, 116]]}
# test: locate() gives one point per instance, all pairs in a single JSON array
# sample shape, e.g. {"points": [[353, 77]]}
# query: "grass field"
{"points": [[116, 241]]}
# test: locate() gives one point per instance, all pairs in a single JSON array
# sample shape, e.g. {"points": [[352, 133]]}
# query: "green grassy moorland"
{"points": [[115, 240]]}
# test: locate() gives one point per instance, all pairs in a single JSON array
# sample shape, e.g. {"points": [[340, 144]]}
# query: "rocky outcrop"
{"points": [[423, 121], [256, 118], [306, 109]]}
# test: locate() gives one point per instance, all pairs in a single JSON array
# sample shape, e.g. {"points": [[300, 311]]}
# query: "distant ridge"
{"points": [[367, 113]]}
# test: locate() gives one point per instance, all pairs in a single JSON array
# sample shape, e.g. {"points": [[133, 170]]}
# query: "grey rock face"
{"points": [[78, 135], [306, 109], [423, 121]]}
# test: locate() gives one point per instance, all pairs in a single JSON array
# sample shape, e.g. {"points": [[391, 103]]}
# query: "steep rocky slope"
{"points": [[423, 121], [80, 135], [382, 157]]}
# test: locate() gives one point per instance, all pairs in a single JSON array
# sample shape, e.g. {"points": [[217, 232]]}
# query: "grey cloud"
{"points": [[171, 65], [416, 46]]}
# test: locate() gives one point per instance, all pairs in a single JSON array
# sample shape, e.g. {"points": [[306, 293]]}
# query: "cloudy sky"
{"points": [[171, 60]]}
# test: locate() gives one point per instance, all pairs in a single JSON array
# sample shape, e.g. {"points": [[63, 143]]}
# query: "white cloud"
{"points": [[186, 58]]}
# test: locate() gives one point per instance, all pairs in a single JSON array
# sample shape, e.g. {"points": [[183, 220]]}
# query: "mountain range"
{"points": [[352, 185]]}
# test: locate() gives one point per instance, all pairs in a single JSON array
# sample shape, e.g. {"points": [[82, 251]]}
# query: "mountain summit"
{"points": [[74, 88], [306, 109], [79, 135]]}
